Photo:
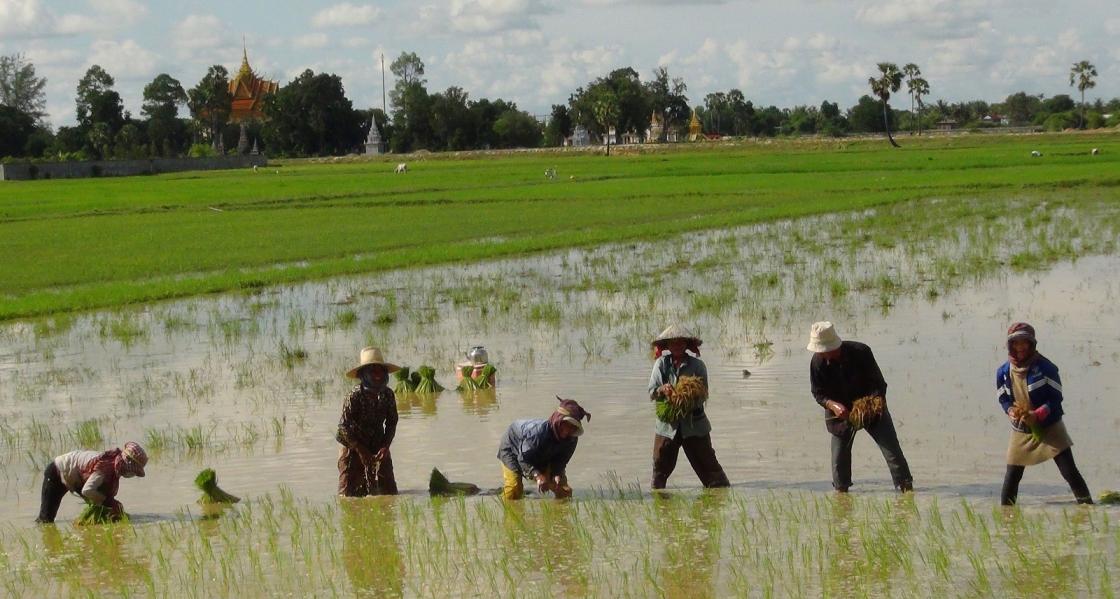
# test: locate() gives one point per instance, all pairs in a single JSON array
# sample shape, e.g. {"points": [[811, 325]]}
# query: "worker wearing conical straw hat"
{"points": [[677, 354], [840, 373], [367, 428], [1030, 392]]}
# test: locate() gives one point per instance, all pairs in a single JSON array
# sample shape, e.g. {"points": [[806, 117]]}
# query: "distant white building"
{"points": [[580, 137]]}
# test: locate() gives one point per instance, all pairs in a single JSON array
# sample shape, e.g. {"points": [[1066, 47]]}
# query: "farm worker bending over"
{"points": [[693, 431], [540, 450], [94, 475], [840, 373], [367, 428], [1030, 392]]}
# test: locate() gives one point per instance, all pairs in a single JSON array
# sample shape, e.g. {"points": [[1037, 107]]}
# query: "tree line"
{"points": [[312, 116]]}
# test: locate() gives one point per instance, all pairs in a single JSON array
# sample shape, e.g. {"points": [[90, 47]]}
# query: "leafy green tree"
{"points": [[162, 98], [715, 105], [210, 102], [742, 113], [517, 129], [129, 142], [451, 121], [311, 116], [559, 126], [98, 102], [866, 116], [411, 105], [830, 121], [1082, 75], [16, 128], [888, 82], [100, 139], [667, 98], [1021, 107], [20, 88]]}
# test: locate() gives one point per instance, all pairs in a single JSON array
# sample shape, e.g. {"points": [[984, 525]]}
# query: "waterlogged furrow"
{"points": [[711, 544]]}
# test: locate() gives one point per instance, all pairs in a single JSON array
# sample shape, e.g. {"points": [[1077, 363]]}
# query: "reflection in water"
{"points": [[371, 553], [95, 557], [689, 533], [425, 403], [479, 402], [545, 536]]}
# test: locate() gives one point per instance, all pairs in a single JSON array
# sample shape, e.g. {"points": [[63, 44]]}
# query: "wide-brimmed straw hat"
{"points": [[823, 337], [371, 356], [676, 331]]}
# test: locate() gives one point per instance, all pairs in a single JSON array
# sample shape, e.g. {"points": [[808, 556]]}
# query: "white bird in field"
{"points": [[1095, 151], [1036, 153]]}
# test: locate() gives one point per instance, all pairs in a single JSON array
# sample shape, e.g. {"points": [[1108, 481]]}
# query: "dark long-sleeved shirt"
{"points": [[369, 418], [530, 448], [852, 375]]}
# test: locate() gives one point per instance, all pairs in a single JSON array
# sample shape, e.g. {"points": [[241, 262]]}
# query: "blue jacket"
{"points": [[530, 447], [1043, 385]]}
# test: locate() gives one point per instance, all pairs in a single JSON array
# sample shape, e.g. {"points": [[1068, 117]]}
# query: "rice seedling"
{"points": [[290, 356], [207, 482], [688, 394]]}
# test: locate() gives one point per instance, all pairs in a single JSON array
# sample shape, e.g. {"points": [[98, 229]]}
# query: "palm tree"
{"points": [[919, 88], [890, 79], [912, 72], [1082, 74], [606, 112]]}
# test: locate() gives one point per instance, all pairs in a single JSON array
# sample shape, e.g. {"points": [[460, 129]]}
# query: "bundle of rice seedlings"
{"points": [[95, 513], [207, 482], [688, 395], [866, 410], [439, 485], [1110, 498], [484, 380], [428, 383], [467, 382], [404, 382]]}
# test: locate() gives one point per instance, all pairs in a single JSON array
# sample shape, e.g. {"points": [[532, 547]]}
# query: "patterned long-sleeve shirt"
{"points": [[89, 473], [666, 372], [369, 418]]}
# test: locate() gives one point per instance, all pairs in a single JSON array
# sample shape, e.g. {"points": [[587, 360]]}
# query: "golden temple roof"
{"points": [[248, 91]]}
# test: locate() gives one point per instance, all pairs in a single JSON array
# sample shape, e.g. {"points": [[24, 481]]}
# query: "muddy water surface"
{"points": [[206, 382]]}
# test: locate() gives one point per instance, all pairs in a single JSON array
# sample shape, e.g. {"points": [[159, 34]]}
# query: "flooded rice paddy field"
{"points": [[251, 384]]}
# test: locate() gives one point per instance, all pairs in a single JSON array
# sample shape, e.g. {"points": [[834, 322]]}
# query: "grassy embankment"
{"points": [[82, 244]]}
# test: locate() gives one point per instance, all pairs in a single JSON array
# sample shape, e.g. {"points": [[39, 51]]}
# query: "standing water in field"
{"points": [[254, 381]]}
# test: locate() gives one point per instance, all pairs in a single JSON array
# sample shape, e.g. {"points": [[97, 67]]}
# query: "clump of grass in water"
{"points": [[95, 513], [87, 434], [292, 355]]}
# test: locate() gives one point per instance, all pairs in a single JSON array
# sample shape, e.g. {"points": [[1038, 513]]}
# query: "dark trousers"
{"points": [[883, 433], [356, 479], [700, 455], [1066, 466], [53, 492]]}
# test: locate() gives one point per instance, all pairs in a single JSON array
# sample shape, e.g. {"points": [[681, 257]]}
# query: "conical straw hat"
{"points": [[676, 331]]}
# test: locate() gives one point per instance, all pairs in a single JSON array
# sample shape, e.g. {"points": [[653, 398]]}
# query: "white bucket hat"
{"points": [[371, 356], [823, 337]]}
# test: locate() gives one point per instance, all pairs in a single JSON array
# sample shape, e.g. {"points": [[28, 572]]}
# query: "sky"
{"points": [[536, 52]]}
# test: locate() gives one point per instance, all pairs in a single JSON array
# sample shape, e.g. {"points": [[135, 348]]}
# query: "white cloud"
{"points": [[122, 59], [311, 40], [346, 15], [489, 16], [18, 16]]}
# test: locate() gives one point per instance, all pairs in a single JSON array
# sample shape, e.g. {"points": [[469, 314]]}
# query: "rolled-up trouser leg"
{"points": [[53, 492], [885, 436], [842, 460], [1010, 492], [665, 452], [702, 456], [513, 488], [1073, 476]]}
